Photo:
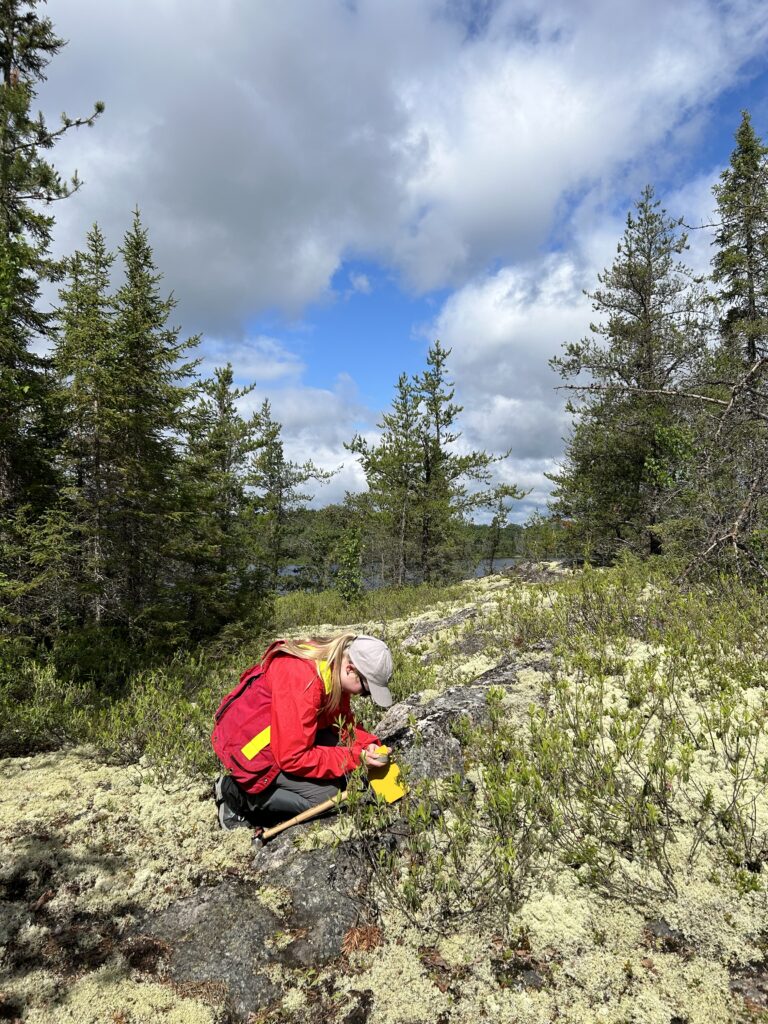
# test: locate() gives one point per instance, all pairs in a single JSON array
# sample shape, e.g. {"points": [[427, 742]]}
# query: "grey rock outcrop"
{"points": [[244, 935], [423, 734]]}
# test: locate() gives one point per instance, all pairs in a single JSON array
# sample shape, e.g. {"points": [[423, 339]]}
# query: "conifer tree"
{"points": [[28, 184], [446, 500], [277, 482], [154, 386], [349, 577], [315, 539], [418, 490], [731, 509], [393, 471], [219, 547], [630, 442], [87, 369], [500, 505], [740, 263]]}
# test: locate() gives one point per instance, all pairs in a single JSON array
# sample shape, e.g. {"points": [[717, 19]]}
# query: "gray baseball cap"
{"points": [[373, 660]]}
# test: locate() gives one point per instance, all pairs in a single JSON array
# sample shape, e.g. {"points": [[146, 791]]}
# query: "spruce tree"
{"points": [[446, 499], [740, 263], [28, 425], [629, 446], [222, 582], [349, 576], [315, 539], [277, 482], [152, 379], [87, 368], [731, 509], [393, 471], [28, 184], [418, 483], [500, 505]]}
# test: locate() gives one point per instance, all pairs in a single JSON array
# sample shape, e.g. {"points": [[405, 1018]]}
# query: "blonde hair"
{"points": [[322, 648]]}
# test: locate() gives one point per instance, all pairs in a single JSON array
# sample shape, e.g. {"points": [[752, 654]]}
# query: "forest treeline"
{"points": [[142, 511]]}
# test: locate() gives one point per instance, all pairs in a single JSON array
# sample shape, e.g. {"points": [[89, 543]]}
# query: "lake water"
{"points": [[499, 565], [481, 570]]}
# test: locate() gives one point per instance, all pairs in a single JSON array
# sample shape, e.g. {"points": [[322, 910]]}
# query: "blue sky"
{"points": [[367, 310], [330, 185]]}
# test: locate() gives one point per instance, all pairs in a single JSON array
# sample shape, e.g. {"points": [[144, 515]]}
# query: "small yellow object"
{"points": [[385, 781], [382, 752]]}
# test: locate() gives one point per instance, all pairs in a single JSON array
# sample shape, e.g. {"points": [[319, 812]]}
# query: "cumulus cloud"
{"points": [[316, 422], [360, 283], [502, 330], [267, 142], [504, 327], [254, 360], [696, 204]]}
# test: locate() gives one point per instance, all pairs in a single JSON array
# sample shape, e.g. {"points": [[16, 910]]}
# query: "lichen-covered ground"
{"points": [[89, 849]]}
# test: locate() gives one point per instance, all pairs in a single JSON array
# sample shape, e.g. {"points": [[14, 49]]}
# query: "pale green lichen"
{"points": [[276, 898], [402, 991], [531, 678], [294, 1001], [428, 695], [151, 846], [93, 839], [108, 995], [557, 919], [463, 947], [609, 975], [326, 834], [279, 940], [31, 989]]}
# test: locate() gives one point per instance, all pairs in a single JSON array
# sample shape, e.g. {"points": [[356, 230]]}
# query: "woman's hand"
{"points": [[374, 756]]}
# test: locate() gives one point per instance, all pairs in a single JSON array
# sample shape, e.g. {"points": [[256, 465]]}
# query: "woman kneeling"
{"points": [[287, 732]]}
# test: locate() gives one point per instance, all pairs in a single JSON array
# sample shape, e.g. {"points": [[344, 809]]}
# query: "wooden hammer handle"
{"points": [[311, 812]]}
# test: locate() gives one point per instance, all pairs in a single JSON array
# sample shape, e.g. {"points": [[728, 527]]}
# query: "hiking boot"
{"points": [[229, 819]]}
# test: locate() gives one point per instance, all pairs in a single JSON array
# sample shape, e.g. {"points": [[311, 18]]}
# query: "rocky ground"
{"points": [[122, 903]]}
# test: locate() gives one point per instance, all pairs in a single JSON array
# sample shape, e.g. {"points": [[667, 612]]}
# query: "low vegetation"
{"points": [[611, 840]]}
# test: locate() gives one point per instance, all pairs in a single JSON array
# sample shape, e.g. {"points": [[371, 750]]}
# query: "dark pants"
{"points": [[288, 795]]}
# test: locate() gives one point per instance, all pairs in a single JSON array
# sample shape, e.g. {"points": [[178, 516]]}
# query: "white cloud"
{"points": [[254, 360], [696, 204], [267, 142], [316, 422], [360, 283], [502, 329]]}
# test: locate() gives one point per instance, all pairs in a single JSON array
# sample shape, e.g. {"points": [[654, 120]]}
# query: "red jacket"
{"points": [[271, 725]]}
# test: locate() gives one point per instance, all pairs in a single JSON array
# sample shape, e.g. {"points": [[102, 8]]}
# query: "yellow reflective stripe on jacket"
{"points": [[324, 671], [257, 744]]}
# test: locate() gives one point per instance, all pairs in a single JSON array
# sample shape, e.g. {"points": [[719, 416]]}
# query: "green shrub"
{"points": [[164, 717], [41, 711], [305, 608]]}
